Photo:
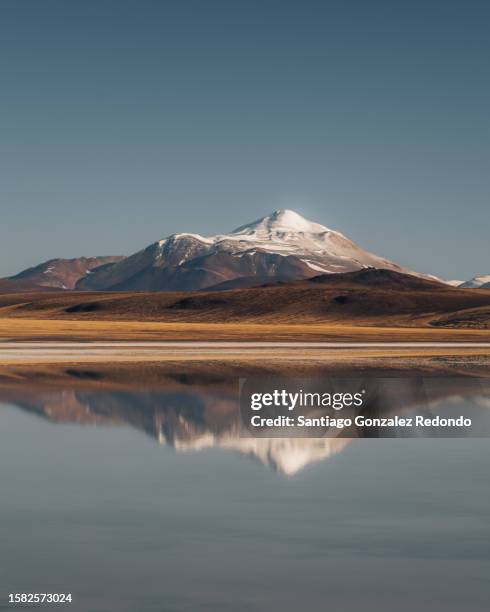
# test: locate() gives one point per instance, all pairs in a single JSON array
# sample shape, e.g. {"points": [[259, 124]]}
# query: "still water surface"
{"points": [[93, 505]]}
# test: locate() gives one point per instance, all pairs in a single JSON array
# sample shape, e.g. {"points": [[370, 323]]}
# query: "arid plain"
{"points": [[370, 320]]}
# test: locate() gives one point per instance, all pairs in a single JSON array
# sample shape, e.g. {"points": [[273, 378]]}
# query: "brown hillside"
{"points": [[371, 297]]}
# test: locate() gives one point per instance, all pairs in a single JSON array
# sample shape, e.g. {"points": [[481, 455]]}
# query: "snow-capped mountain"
{"points": [[477, 282], [281, 246]]}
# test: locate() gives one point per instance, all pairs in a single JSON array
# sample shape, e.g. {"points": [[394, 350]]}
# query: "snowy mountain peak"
{"points": [[280, 246], [482, 281], [282, 220]]}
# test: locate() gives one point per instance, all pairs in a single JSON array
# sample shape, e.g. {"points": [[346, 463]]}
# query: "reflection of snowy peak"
{"points": [[281, 246], [188, 417], [285, 455]]}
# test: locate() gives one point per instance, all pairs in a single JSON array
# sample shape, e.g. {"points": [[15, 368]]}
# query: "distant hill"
{"points": [[380, 278], [378, 297], [56, 274], [482, 282]]}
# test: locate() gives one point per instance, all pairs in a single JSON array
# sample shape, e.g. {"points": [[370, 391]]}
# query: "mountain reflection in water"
{"points": [[93, 506], [192, 414]]}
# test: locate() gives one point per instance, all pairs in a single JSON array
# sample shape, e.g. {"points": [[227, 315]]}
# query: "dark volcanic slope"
{"points": [[379, 278], [370, 296]]}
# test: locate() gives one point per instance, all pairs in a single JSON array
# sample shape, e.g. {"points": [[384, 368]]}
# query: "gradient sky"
{"points": [[124, 121]]}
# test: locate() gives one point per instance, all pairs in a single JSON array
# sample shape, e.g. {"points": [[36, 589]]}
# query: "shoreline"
{"points": [[30, 360]]}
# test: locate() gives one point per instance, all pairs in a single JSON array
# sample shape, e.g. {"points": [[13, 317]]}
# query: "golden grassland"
{"points": [[25, 329], [302, 312]]}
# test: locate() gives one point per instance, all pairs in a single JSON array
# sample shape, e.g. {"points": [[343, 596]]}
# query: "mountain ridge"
{"points": [[56, 273], [280, 246], [283, 246], [477, 282], [363, 297]]}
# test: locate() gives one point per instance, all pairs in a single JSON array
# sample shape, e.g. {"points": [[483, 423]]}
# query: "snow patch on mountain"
{"points": [[283, 221], [185, 235], [477, 282], [286, 233]]}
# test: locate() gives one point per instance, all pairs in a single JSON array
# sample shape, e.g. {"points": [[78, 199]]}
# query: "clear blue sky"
{"points": [[124, 121]]}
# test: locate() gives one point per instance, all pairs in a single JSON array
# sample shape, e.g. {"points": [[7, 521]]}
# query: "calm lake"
{"points": [[141, 502]]}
